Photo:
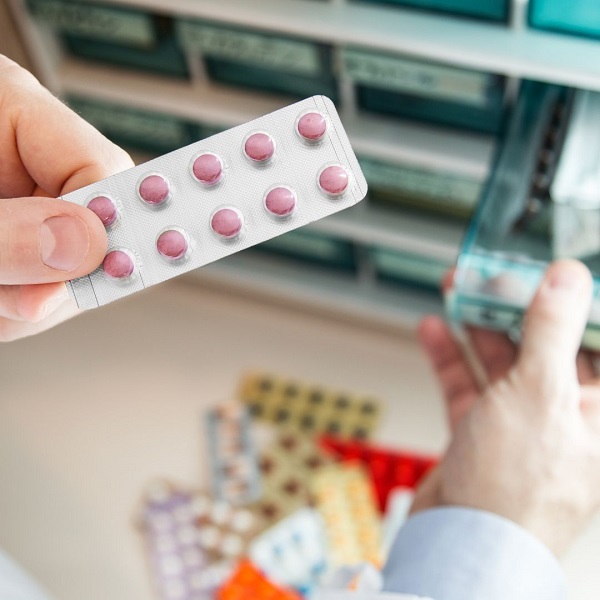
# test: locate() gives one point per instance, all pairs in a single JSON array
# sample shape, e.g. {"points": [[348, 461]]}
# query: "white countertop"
{"points": [[92, 410]]}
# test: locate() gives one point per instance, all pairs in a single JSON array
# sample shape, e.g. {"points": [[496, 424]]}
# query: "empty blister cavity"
{"points": [[280, 201], [259, 147], [105, 209], [154, 190], [173, 244], [334, 180], [227, 222], [207, 168], [312, 126], [119, 264]]}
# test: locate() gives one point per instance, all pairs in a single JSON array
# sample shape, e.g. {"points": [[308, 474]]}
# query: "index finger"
{"points": [[46, 147]]}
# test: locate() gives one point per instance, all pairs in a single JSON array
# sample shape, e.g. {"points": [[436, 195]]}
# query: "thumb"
{"points": [[554, 325], [44, 240]]}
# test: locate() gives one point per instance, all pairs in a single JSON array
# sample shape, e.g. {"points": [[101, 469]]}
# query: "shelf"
{"points": [[383, 138], [412, 233], [523, 53], [324, 291]]}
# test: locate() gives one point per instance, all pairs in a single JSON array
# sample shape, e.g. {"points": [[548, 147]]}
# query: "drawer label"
{"points": [[98, 22], [410, 76], [126, 121], [445, 187], [251, 48]]}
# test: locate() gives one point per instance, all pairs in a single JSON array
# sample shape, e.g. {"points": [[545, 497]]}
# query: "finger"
{"points": [[46, 145], [12, 330], [31, 303], [46, 240], [586, 372], [457, 381], [428, 494], [448, 280], [590, 406], [494, 350], [553, 327]]}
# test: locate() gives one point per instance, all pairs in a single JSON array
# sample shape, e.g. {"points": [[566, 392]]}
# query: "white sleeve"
{"points": [[15, 584], [455, 553]]}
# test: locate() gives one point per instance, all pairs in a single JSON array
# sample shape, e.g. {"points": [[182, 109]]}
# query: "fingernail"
{"points": [[55, 302], [565, 280], [64, 242]]}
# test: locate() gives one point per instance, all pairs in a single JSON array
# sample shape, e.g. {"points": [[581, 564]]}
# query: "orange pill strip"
{"points": [[345, 498]]}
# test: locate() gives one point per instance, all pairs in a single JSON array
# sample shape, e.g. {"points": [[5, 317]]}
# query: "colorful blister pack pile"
{"points": [[234, 460], [388, 469], [294, 551], [249, 583], [181, 568], [219, 196], [309, 408], [287, 468], [345, 498]]}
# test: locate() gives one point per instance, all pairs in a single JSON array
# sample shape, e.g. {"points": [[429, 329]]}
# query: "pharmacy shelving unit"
{"points": [[512, 50]]}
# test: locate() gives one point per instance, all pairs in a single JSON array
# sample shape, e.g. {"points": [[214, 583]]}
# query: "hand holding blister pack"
{"points": [[219, 196]]}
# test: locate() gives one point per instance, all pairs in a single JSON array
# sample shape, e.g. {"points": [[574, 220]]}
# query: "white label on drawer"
{"points": [[443, 187], [125, 121], [402, 75], [254, 48], [101, 23]]}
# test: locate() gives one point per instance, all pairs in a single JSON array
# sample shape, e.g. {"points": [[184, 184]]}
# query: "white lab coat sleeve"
{"points": [[15, 584], [456, 553]]}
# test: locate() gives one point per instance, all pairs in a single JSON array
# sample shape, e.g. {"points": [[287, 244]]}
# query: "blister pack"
{"points": [[234, 460], [287, 469], [398, 510], [248, 582], [294, 551], [219, 196], [180, 566], [345, 498], [388, 468], [310, 408], [224, 531]]}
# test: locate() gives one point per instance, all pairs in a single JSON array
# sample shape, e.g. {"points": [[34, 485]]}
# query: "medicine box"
{"points": [[113, 35], [312, 247], [578, 17], [546, 172], [259, 60], [136, 129], [408, 268], [444, 192], [492, 10], [403, 87]]}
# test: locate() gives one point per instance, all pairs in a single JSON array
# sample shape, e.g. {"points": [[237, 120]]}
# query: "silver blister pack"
{"points": [[219, 196]]}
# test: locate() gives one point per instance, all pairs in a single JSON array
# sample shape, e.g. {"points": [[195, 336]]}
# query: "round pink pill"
{"points": [[334, 180], [227, 222], [208, 168], [312, 126], [104, 208], [259, 147], [118, 264], [280, 201], [154, 190], [172, 244]]}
